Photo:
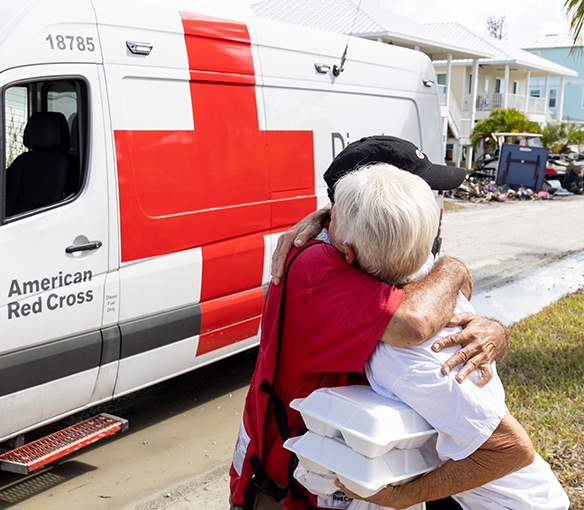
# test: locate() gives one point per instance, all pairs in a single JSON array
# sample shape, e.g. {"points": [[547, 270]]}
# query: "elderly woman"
{"points": [[384, 220]]}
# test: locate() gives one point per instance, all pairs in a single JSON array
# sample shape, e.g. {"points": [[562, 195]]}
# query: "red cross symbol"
{"points": [[223, 185]]}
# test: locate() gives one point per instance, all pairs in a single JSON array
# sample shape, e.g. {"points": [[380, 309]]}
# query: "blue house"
{"points": [[556, 47]]}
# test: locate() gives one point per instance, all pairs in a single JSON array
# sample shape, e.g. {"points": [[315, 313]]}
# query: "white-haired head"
{"points": [[389, 218]]}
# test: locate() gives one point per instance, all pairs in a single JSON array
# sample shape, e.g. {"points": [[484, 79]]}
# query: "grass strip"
{"points": [[543, 375]]}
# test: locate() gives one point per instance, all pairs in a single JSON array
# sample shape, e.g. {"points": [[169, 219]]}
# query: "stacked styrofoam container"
{"points": [[367, 440]]}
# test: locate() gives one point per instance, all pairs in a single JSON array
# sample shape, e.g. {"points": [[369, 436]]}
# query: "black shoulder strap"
{"points": [[281, 310], [260, 480]]}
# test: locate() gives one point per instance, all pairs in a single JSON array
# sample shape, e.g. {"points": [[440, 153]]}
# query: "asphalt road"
{"points": [[178, 449], [498, 242]]}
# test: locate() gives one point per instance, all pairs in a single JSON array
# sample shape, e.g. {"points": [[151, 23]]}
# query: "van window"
{"points": [[62, 97], [15, 117], [44, 131]]}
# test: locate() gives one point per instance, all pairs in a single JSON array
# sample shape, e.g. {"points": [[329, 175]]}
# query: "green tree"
{"points": [[574, 133], [557, 136], [575, 13], [508, 120], [552, 136]]}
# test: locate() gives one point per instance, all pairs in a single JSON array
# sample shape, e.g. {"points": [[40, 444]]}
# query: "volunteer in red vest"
{"points": [[322, 321]]}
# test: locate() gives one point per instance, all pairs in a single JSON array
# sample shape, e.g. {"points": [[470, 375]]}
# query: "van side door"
{"points": [[53, 241]]}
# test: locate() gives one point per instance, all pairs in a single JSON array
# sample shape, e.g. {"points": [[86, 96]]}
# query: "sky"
{"points": [[524, 18]]}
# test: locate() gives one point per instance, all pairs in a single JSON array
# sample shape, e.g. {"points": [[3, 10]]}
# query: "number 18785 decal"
{"points": [[70, 42]]}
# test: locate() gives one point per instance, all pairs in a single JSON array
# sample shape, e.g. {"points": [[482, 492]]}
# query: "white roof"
{"points": [[370, 21], [502, 52], [545, 41]]}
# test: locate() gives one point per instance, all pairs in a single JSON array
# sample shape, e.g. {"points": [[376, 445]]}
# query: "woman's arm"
{"points": [[298, 236], [506, 451], [428, 304]]}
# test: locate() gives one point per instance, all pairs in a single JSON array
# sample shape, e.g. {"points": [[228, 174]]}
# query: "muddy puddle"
{"points": [[534, 290]]}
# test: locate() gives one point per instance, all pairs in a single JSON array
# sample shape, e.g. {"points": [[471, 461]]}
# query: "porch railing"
{"points": [[516, 101], [453, 108], [442, 94], [465, 128], [455, 112], [536, 104], [488, 102]]}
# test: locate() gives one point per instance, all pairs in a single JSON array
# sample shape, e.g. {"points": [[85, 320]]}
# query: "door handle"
{"points": [[92, 245]]}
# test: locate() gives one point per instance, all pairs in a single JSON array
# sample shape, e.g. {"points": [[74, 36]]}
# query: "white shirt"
{"points": [[465, 416]]}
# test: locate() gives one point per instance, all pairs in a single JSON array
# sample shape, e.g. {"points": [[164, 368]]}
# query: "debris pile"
{"points": [[562, 162], [564, 176], [476, 190]]}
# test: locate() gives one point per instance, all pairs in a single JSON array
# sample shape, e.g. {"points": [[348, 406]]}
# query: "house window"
{"points": [[535, 93], [441, 78], [552, 101], [499, 85], [516, 86], [469, 83], [487, 85]]}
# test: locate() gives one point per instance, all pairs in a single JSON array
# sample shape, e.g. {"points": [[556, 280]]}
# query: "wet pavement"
{"points": [[537, 288]]}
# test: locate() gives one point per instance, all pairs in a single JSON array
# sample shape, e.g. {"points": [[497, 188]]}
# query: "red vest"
{"points": [[263, 405], [260, 404]]}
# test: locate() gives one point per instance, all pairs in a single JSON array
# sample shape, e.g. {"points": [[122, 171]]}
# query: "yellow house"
{"points": [[502, 81]]}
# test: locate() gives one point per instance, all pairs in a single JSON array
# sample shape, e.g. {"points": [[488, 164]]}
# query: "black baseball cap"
{"points": [[397, 152]]}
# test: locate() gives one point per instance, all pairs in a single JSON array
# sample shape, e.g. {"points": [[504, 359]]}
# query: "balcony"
{"points": [[488, 102]]}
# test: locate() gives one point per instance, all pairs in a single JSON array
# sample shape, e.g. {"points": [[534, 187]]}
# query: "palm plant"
{"points": [[575, 12], [508, 120], [575, 135], [559, 135], [552, 136]]}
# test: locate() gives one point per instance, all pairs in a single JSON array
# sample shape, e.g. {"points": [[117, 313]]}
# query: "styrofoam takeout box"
{"points": [[360, 474], [368, 423]]}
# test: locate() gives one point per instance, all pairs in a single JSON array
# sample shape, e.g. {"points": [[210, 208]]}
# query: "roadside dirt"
{"points": [[178, 449]]}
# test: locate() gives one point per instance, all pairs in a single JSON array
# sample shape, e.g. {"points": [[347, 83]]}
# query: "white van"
{"points": [[168, 143]]}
